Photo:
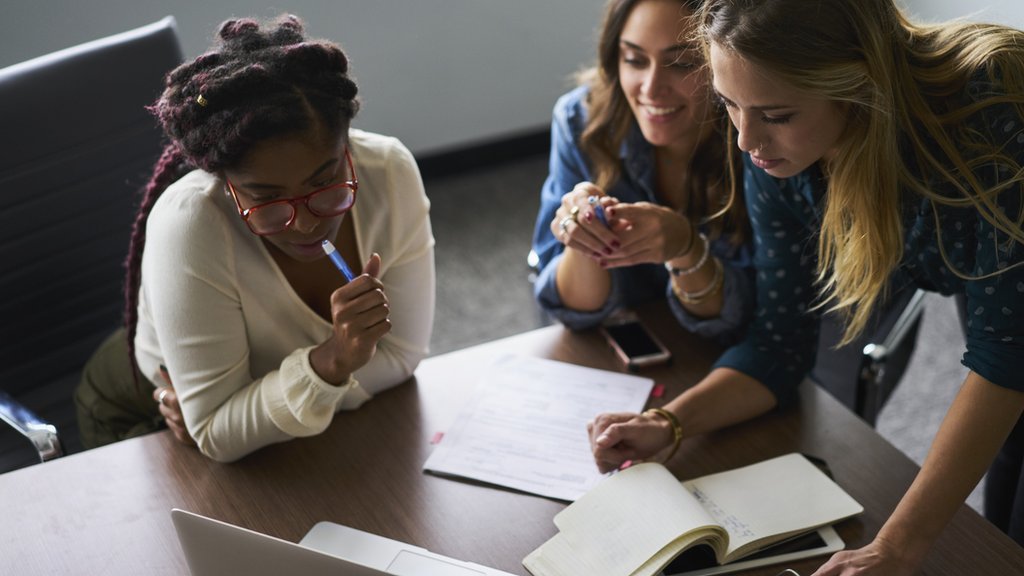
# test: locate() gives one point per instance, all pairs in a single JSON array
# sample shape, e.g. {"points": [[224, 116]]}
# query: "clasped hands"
{"points": [[637, 233]]}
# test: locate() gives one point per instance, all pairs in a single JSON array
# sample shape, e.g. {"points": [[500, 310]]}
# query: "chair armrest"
{"points": [[879, 351], [42, 435], [893, 345]]}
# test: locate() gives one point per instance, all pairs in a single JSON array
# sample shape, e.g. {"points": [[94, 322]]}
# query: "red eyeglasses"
{"points": [[277, 215]]}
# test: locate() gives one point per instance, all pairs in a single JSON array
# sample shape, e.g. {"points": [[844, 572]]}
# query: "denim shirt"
{"points": [[786, 214], [633, 285]]}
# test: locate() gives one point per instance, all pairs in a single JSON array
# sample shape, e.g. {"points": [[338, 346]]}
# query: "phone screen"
{"points": [[633, 339]]}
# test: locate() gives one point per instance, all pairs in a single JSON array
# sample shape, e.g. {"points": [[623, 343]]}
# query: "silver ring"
{"points": [[593, 200], [563, 225], [163, 394]]}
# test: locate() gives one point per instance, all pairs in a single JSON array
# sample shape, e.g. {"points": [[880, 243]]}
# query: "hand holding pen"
{"points": [[338, 261], [583, 223], [359, 316]]}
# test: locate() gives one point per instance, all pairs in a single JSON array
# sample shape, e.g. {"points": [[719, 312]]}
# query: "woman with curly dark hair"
{"points": [[229, 295]]}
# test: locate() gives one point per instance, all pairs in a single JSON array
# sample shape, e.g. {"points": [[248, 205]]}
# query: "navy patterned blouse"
{"points": [[780, 347]]}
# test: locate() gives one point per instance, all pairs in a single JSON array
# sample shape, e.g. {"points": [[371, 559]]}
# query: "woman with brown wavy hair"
{"points": [[641, 144]]}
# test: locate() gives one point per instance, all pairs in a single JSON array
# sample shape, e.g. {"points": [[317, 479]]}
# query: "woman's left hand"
{"points": [[170, 409], [878, 558], [649, 233]]}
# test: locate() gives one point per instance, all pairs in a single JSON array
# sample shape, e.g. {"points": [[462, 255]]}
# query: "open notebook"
{"points": [[215, 548], [638, 521]]}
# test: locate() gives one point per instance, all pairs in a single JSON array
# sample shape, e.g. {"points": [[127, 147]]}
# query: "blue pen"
{"points": [[595, 203], [335, 257]]}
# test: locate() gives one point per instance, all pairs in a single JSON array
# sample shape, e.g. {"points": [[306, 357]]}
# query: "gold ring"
{"points": [[575, 214], [563, 225], [163, 394]]}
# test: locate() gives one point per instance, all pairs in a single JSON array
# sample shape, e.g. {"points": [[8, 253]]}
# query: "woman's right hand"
{"points": [[585, 231], [879, 557], [621, 436], [360, 315]]}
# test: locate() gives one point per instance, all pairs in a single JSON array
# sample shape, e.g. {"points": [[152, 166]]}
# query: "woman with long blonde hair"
{"points": [[878, 153]]}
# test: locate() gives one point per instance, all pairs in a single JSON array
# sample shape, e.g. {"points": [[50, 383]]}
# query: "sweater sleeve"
{"points": [[406, 246], [197, 326]]}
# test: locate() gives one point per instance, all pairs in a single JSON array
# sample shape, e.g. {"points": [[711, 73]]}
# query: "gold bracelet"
{"points": [[702, 295], [677, 430]]}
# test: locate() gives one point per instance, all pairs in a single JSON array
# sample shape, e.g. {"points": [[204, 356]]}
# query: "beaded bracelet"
{"points": [[705, 293], [677, 430], [700, 263]]}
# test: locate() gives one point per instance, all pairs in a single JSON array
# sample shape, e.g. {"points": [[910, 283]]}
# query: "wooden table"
{"points": [[107, 511]]}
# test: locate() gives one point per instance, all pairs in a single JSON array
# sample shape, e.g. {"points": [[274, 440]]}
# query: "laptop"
{"points": [[214, 548]]}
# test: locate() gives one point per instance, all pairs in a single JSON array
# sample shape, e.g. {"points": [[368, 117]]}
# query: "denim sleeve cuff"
{"points": [[737, 308], [546, 292]]}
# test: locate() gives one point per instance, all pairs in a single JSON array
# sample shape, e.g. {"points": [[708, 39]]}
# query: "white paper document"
{"points": [[526, 426]]}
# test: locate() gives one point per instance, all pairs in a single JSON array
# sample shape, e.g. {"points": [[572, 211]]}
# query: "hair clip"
{"points": [[201, 100]]}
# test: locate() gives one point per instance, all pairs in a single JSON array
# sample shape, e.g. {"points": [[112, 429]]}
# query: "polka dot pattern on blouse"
{"points": [[785, 215]]}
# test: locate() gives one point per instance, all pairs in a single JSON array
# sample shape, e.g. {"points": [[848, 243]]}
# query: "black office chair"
{"points": [[863, 374], [77, 145]]}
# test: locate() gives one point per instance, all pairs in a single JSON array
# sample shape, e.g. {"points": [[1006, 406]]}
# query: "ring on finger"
{"points": [[163, 394], [563, 224], [593, 200], [574, 214]]}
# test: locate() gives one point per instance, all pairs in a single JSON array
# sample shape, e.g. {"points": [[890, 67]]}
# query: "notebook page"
{"points": [[526, 425], [627, 519], [778, 496]]}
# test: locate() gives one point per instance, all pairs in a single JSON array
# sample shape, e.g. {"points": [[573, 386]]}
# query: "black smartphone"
{"points": [[634, 344]]}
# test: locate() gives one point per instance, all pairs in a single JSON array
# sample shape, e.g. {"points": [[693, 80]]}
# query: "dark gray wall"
{"points": [[438, 74]]}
